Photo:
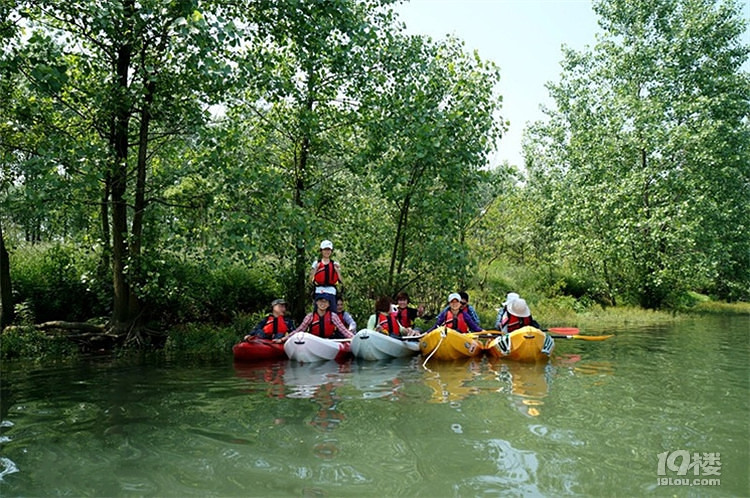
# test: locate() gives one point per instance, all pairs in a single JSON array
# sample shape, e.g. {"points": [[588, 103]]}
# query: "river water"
{"points": [[639, 414]]}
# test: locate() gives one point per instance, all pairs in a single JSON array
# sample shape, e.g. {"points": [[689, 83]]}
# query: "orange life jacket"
{"points": [[326, 274], [403, 317], [322, 326], [457, 322], [275, 325], [516, 322], [388, 322]]}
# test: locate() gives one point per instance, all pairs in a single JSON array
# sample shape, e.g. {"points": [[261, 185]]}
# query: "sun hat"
{"points": [[277, 301], [512, 296], [326, 244], [455, 296], [519, 308]]}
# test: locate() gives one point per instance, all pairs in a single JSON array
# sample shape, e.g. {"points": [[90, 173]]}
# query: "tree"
{"points": [[652, 154], [432, 118], [127, 76]]}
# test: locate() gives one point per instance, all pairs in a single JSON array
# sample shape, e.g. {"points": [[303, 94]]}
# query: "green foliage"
{"points": [[180, 289], [28, 342], [643, 169], [54, 282], [202, 339]]}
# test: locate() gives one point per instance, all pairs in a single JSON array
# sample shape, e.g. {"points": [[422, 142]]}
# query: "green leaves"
{"points": [[637, 145]]}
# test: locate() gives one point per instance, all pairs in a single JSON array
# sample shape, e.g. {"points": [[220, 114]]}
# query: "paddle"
{"points": [[568, 333], [583, 337], [563, 330], [412, 337]]}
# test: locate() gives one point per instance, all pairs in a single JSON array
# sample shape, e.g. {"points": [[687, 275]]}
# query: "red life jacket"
{"points": [[457, 322], [326, 274], [322, 326], [275, 325], [403, 317], [388, 322], [516, 322]]}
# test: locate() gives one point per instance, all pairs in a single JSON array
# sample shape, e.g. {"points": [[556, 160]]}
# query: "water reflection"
{"points": [[589, 423], [526, 383]]}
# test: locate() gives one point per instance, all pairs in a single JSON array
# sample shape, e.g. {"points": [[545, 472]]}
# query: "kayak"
{"points": [[305, 347], [257, 349], [528, 344], [448, 344], [371, 345]]}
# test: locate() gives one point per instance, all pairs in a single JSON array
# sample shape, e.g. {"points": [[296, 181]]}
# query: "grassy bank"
{"points": [[211, 340]]}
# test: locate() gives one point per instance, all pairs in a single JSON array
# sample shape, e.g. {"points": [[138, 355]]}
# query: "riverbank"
{"points": [[217, 339]]}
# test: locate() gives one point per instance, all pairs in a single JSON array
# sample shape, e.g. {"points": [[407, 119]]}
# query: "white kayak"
{"points": [[371, 345], [305, 347]]}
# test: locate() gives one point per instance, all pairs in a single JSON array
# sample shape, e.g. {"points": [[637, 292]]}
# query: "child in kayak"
{"points": [[518, 315], [276, 325], [323, 322], [384, 320], [456, 317]]}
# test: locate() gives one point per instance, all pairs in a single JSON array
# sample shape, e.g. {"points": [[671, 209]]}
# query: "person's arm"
{"points": [[499, 318], [340, 326], [350, 319], [440, 320], [473, 326], [257, 330], [337, 269], [473, 314], [372, 322], [304, 325], [312, 272]]}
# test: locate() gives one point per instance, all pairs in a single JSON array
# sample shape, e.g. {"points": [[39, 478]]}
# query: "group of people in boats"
{"points": [[330, 319]]}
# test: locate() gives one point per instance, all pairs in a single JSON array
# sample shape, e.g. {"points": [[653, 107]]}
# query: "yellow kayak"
{"points": [[448, 344], [528, 344]]}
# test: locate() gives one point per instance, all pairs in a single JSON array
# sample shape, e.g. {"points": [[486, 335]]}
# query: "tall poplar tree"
{"points": [[651, 151]]}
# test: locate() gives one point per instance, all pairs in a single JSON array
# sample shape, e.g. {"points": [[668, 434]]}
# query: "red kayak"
{"points": [[256, 349]]}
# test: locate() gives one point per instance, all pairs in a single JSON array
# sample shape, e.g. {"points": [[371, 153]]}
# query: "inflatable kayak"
{"points": [[371, 345], [528, 344], [257, 349], [305, 347], [448, 344]]}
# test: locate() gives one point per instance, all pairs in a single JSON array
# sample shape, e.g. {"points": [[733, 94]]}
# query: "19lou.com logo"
{"points": [[683, 463]]}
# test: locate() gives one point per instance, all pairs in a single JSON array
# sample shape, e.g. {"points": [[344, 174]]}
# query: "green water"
{"points": [[591, 423]]}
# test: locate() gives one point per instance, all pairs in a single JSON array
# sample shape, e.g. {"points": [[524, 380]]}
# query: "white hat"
{"points": [[512, 296], [519, 308], [453, 296], [326, 244]]}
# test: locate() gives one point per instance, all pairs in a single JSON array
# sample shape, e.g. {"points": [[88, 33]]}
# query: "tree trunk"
{"points": [[6, 296], [121, 316], [140, 195], [300, 265], [299, 298]]}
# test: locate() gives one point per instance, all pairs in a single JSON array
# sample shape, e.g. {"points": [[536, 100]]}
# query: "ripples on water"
{"points": [[591, 422]]}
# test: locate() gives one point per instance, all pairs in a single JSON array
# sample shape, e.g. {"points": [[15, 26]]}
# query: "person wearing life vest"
{"points": [[276, 325], [405, 314], [323, 322], [346, 318], [325, 275], [455, 317], [385, 319], [467, 307], [519, 315], [503, 312]]}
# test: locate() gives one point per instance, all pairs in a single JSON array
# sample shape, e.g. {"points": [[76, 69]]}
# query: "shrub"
{"points": [[28, 342], [180, 290], [53, 282]]}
